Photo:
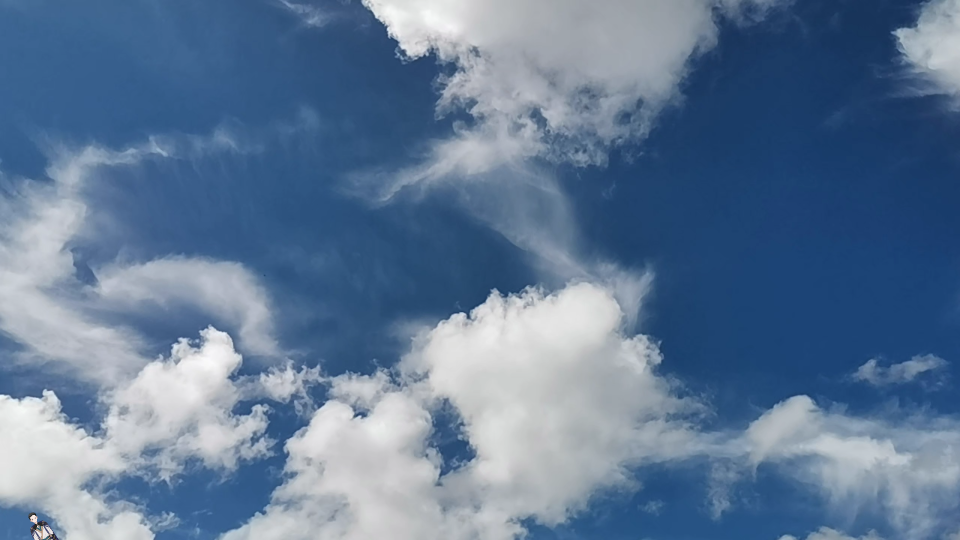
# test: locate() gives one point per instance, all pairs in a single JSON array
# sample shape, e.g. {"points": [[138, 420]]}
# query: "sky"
{"points": [[480, 270]]}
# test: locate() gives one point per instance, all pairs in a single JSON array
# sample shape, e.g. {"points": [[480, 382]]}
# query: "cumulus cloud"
{"points": [[908, 467], [43, 453], [182, 408], [531, 373], [565, 80], [175, 411], [554, 400], [932, 46], [58, 320], [876, 375]]}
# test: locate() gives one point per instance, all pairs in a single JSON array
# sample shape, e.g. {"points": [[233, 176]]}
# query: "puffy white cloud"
{"points": [[182, 408], [58, 320], [555, 402], [42, 451], [874, 374], [932, 45], [529, 374], [45, 461], [175, 411], [909, 467], [357, 477], [565, 80]]}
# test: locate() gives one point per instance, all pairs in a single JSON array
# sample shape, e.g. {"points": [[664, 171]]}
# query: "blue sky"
{"points": [[630, 269]]}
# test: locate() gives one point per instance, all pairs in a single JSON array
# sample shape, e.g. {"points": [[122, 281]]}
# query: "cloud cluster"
{"points": [[932, 46], [567, 81], [176, 411], [555, 402], [159, 416]]}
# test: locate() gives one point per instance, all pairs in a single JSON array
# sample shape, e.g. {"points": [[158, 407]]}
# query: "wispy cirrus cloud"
{"points": [[906, 466], [58, 320], [308, 14], [905, 372]]}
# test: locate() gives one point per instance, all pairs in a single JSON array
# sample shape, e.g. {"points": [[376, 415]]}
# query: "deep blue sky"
{"points": [[799, 210]]}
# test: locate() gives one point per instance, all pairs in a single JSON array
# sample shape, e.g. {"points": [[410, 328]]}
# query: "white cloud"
{"points": [[932, 46], [826, 533], [43, 453], [555, 402], [565, 80], [182, 408], [173, 412], [58, 320], [45, 461], [529, 374], [36, 225], [876, 375], [561, 80], [225, 290], [908, 467], [284, 385]]}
